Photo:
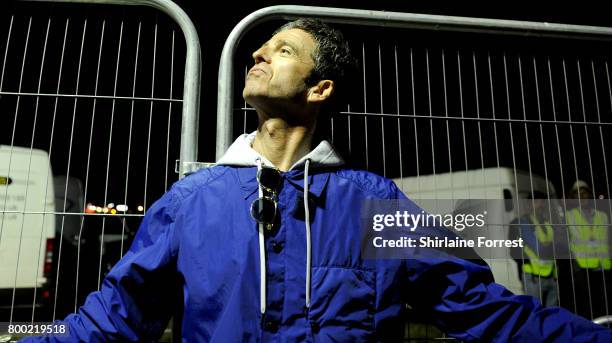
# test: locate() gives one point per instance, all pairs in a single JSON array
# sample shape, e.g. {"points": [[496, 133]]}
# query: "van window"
{"points": [[508, 200]]}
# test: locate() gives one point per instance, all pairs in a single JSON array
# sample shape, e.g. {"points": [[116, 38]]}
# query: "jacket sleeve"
{"points": [[134, 303], [461, 297]]}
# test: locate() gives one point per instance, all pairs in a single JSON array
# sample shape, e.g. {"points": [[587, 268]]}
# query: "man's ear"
{"points": [[321, 91]]}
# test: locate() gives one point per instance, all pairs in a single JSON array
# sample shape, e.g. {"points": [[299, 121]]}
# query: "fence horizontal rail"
{"points": [[89, 96]]}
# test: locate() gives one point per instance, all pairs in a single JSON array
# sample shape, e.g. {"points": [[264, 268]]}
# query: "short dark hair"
{"points": [[332, 57]]}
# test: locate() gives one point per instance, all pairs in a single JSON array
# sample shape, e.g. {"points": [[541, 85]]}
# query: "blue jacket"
{"points": [[200, 237]]}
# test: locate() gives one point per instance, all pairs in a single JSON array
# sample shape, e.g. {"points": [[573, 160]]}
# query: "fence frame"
{"points": [[190, 101], [192, 78], [225, 93]]}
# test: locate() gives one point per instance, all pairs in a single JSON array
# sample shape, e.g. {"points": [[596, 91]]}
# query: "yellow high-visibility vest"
{"points": [[536, 265], [589, 241]]}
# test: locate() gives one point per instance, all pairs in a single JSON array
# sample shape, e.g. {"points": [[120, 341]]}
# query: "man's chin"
{"points": [[254, 99]]}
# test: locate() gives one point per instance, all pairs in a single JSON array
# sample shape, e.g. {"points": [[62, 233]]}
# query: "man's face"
{"points": [[538, 204], [586, 198], [276, 81], [582, 194], [585, 194]]}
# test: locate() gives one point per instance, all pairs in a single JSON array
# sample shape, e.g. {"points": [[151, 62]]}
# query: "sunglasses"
{"points": [[265, 208]]}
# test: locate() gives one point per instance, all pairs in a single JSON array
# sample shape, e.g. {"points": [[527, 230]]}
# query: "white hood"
{"points": [[241, 154]]}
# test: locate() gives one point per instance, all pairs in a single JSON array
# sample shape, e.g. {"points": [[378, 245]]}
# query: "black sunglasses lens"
{"points": [[263, 210], [269, 177]]}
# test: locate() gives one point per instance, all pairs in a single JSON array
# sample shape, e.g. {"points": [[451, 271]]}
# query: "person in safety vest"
{"points": [[589, 232], [537, 257], [266, 245]]}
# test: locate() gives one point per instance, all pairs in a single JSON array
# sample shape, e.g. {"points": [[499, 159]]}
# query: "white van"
{"points": [[481, 184], [26, 233]]}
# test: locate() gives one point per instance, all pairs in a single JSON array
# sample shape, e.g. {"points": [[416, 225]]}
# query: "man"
{"points": [[536, 258], [266, 245], [590, 248]]}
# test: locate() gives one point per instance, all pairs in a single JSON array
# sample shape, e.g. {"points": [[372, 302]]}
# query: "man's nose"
{"points": [[261, 55]]}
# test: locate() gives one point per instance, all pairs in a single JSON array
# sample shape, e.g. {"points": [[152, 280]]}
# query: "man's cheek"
{"points": [[254, 86]]}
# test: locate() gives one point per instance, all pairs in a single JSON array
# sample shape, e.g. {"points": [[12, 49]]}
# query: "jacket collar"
{"points": [[241, 154], [316, 182]]}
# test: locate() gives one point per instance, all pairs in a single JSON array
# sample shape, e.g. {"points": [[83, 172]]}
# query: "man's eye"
{"points": [[285, 51]]}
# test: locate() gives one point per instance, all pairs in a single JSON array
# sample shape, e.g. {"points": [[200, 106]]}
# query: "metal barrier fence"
{"points": [[459, 108], [93, 100]]}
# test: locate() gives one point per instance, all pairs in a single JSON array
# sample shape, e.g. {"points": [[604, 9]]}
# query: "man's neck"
{"points": [[282, 144]]}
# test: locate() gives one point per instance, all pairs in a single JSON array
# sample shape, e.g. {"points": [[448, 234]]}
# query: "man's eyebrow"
{"points": [[282, 42]]}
